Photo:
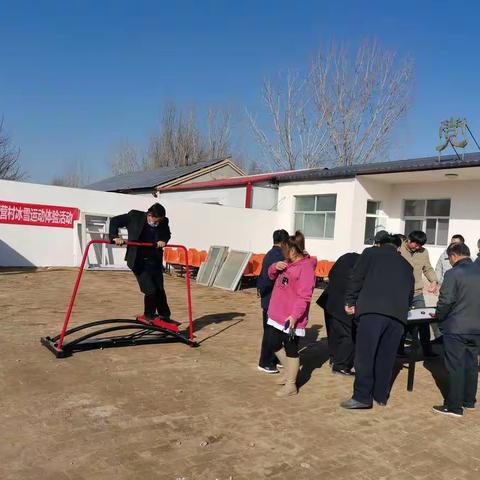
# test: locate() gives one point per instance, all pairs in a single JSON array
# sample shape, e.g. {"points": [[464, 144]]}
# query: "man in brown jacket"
{"points": [[413, 251]]}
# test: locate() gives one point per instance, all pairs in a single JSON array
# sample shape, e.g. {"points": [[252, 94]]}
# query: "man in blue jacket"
{"points": [[458, 311], [268, 361]]}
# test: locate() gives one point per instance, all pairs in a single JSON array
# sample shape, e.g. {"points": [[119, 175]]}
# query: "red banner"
{"points": [[41, 215]]}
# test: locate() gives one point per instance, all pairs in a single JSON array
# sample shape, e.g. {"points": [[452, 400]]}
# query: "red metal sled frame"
{"points": [[57, 347]]}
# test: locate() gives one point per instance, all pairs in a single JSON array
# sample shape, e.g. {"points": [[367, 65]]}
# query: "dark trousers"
{"points": [[423, 330], [150, 280], [461, 361], [279, 339], [267, 356], [377, 342], [328, 327], [341, 343]]}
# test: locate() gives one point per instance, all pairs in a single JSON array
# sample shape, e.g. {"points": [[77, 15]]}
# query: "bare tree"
{"points": [[74, 177], [9, 166], [218, 133], [178, 143], [360, 99], [125, 159], [296, 138]]}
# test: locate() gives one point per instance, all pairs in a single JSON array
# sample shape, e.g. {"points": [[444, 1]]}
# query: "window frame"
{"points": [[325, 213], [378, 216], [424, 219]]}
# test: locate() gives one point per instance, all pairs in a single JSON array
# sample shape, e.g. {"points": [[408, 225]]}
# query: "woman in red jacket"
{"points": [[289, 307]]}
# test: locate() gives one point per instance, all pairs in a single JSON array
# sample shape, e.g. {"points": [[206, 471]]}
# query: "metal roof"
{"points": [[410, 165], [148, 179]]}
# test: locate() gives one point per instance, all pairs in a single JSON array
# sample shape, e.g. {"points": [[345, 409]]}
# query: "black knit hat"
{"points": [[379, 235]]}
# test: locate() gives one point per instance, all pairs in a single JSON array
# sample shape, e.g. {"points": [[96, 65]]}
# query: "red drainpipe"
{"points": [[248, 195]]}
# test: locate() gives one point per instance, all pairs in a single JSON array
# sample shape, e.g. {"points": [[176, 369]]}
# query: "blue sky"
{"points": [[77, 78]]}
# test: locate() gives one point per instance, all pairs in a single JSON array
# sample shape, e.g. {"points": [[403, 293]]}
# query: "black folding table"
{"points": [[417, 317]]}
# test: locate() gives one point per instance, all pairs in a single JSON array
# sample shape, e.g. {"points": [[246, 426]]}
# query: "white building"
{"points": [[338, 209]]}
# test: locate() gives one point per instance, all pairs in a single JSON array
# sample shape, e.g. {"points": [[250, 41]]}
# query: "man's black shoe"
{"points": [[469, 406], [446, 411], [343, 371], [352, 404]]}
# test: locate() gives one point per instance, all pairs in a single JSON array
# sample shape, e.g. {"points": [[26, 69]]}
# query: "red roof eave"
{"points": [[224, 182]]}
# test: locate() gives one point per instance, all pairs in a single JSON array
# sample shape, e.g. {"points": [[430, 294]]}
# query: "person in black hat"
{"points": [[379, 295], [146, 262]]}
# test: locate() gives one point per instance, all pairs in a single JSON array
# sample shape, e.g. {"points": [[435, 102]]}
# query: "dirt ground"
{"points": [[174, 412]]}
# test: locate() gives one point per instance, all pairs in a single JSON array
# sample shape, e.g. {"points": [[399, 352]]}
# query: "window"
{"points": [[430, 216], [315, 215], [375, 221]]}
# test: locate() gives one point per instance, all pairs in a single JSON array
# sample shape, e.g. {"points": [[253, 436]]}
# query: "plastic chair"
{"points": [[174, 256], [194, 258], [322, 269], [257, 264], [248, 272]]}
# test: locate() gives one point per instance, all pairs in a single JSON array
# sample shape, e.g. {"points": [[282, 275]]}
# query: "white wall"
{"points": [[228, 197], [352, 196], [193, 225], [263, 198], [366, 189], [464, 212], [329, 249]]}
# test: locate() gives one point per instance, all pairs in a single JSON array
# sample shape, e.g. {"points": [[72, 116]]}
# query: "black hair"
{"points": [[300, 239], [296, 243], [157, 210], [418, 237], [460, 249], [401, 236], [280, 236], [391, 239], [458, 237], [378, 236]]}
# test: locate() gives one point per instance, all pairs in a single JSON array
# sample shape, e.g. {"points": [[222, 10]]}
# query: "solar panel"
{"points": [[208, 270], [232, 270]]}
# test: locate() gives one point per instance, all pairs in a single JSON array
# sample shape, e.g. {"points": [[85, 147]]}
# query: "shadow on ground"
{"points": [[214, 319], [434, 365], [314, 353]]}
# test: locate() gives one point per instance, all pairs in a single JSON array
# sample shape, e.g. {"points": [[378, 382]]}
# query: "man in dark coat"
{"points": [[458, 310], [340, 324], [146, 262], [268, 360], [379, 295]]}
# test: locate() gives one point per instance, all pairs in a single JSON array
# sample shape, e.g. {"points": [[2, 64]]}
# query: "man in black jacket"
{"points": [[268, 360], [458, 310], [146, 262], [379, 295], [340, 324]]}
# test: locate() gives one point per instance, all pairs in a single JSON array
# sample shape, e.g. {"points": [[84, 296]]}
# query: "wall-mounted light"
{"points": [[451, 175]]}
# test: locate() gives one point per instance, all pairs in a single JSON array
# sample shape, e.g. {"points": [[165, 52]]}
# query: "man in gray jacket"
{"points": [[442, 267], [458, 310]]}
